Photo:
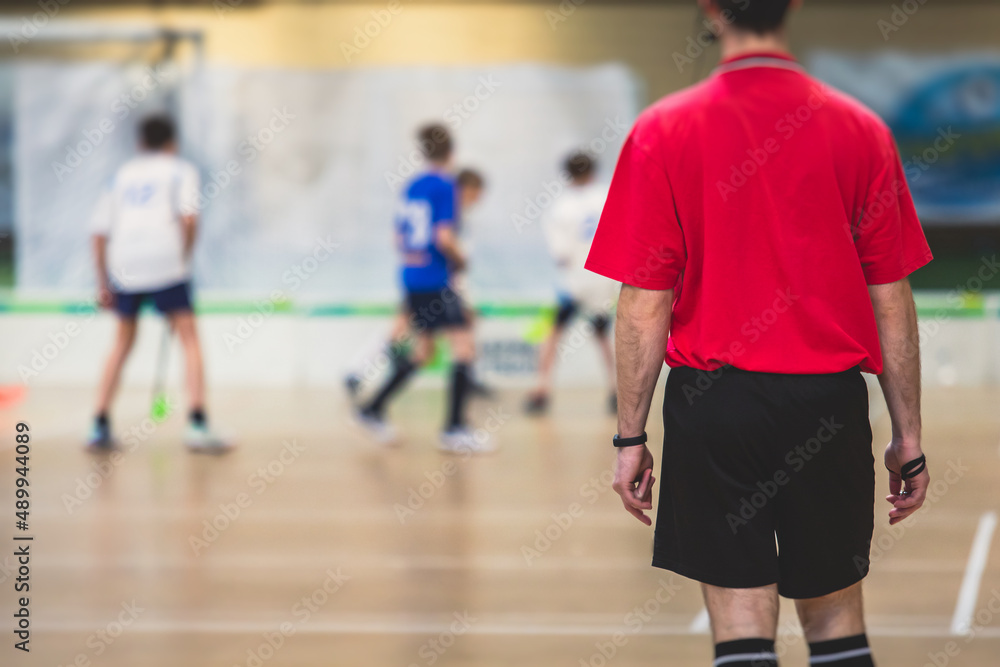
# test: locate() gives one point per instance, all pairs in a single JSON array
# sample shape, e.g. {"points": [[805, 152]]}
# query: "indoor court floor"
{"points": [[328, 550]]}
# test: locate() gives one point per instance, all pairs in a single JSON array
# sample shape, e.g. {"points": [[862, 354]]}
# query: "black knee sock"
{"points": [[746, 653], [846, 652], [402, 370], [460, 383]]}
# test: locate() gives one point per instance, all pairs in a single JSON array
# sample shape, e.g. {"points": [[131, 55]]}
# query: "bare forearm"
{"points": [[100, 259], [454, 256], [640, 341], [896, 317], [447, 243], [190, 227]]}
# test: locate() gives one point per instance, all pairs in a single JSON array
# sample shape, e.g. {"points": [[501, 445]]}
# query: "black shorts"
{"points": [[441, 309], [750, 457], [175, 298], [568, 308]]}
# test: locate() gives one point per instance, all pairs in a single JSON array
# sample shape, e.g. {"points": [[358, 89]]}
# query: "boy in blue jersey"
{"points": [[470, 186], [428, 244]]}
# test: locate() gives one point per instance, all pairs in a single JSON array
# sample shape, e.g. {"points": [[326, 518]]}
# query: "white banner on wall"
{"points": [[295, 162]]}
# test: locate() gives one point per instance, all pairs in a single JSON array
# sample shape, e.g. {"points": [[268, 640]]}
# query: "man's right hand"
{"points": [[905, 495]]}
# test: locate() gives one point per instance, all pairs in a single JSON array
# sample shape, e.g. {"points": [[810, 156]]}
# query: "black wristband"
{"points": [[629, 442], [911, 469]]}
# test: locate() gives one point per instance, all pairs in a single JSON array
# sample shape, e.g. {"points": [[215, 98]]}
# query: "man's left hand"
{"points": [[634, 481]]}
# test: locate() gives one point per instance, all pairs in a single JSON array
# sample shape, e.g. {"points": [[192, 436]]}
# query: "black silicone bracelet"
{"points": [[629, 442], [911, 469]]}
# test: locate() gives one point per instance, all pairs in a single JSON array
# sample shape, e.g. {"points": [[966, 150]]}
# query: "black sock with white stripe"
{"points": [[746, 653], [846, 652]]}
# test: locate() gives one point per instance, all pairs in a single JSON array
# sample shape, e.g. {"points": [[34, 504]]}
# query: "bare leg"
{"points": [[463, 345], [183, 323], [400, 328], [742, 613], [546, 362], [833, 616], [423, 350], [116, 361]]}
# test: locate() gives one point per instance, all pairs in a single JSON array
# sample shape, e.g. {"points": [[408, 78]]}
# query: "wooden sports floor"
{"points": [[329, 551]]}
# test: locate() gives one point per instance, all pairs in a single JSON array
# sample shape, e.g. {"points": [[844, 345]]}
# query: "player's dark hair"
{"points": [[758, 16], [470, 178], [156, 132], [579, 165], [435, 142]]}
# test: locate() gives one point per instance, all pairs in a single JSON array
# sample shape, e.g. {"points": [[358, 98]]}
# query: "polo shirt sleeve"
{"points": [[639, 240], [188, 185], [888, 237], [101, 218], [559, 233]]}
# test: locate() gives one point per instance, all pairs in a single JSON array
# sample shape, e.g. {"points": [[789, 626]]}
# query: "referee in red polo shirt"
{"points": [[763, 231]]}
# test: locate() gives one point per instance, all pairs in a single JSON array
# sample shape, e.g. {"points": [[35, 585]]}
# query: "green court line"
{"points": [[240, 308], [209, 307], [954, 313], [349, 310], [929, 305]]}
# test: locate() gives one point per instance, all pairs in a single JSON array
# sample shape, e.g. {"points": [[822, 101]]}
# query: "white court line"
{"points": [[354, 562], [230, 561], [961, 622], [398, 626], [700, 625]]}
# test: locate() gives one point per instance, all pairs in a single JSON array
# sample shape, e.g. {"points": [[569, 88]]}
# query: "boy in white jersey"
{"points": [[569, 229], [144, 231]]}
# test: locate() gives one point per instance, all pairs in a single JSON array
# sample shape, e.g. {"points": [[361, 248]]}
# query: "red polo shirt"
{"points": [[769, 202]]}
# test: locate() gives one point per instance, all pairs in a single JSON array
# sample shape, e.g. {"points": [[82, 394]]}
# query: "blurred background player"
{"points": [[569, 231], [469, 186], [428, 243], [144, 231]]}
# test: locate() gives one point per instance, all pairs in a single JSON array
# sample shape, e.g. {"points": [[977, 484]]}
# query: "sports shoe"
{"points": [[352, 383], [460, 439], [377, 426], [201, 440], [537, 404], [99, 439]]}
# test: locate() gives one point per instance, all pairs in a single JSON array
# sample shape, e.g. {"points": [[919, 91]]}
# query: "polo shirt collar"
{"points": [[759, 59]]}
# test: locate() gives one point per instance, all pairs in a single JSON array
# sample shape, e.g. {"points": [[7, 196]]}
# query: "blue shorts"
{"points": [[167, 300]]}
